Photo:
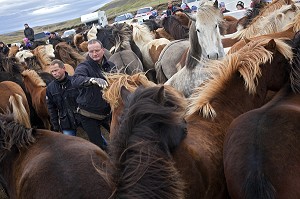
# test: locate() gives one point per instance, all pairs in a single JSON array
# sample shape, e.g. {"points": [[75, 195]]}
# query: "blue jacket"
{"points": [[90, 95], [62, 105]]}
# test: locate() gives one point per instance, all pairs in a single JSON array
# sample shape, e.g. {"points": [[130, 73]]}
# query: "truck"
{"points": [[95, 18]]}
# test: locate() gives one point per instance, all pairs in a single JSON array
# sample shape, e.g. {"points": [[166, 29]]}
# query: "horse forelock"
{"points": [[116, 81], [13, 134], [208, 14], [41, 53], [33, 77], [122, 34], [138, 147], [246, 62]]}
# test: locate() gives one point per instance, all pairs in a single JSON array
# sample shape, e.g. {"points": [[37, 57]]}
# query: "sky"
{"points": [[15, 13]]}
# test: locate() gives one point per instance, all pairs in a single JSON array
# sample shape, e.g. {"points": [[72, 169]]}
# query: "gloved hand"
{"points": [[99, 81]]}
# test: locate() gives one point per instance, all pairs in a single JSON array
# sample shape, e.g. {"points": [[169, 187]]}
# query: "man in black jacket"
{"points": [[94, 110], [28, 32], [54, 39], [61, 100]]}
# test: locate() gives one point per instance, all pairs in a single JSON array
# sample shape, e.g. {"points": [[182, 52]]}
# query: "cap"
{"points": [[240, 3]]}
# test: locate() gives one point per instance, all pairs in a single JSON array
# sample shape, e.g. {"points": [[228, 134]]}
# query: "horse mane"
{"points": [[141, 151], [122, 34], [92, 33], [13, 135], [251, 29], [33, 63], [10, 65], [246, 61], [40, 53], [78, 39], [152, 24], [295, 71], [295, 24], [68, 54], [116, 80], [141, 33], [33, 77]]}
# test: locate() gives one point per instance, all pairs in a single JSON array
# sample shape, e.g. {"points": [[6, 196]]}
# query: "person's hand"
{"points": [[99, 81]]}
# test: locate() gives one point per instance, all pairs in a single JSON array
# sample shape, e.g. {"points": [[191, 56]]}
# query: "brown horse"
{"points": [[13, 100], [39, 163], [261, 66], [67, 54], [36, 87], [261, 148]]}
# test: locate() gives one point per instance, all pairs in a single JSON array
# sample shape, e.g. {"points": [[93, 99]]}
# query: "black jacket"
{"points": [[54, 41], [61, 101], [90, 95], [29, 33]]}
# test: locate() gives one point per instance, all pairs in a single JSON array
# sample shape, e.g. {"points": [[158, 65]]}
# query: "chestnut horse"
{"points": [[36, 87], [13, 100], [262, 146], [38, 163]]}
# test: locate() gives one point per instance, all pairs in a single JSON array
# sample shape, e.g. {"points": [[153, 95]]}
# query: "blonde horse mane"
{"points": [[116, 81], [141, 34], [251, 30], [41, 54], [295, 24], [92, 33], [19, 111], [246, 61], [33, 77]]}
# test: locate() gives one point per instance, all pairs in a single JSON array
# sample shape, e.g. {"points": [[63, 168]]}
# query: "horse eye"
{"points": [[216, 26], [198, 30]]}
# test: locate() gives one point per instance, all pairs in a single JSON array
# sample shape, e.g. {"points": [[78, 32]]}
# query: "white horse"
{"points": [[22, 55], [92, 33], [205, 44]]}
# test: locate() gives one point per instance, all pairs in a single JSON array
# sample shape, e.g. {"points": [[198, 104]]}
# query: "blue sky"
{"points": [[14, 13]]}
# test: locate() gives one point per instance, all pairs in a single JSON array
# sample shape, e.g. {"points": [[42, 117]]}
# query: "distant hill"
{"points": [[112, 9]]}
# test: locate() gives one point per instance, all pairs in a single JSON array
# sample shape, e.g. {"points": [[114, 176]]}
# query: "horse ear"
{"points": [[160, 96], [124, 94], [216, 4], [271, 45], [294, 7]]}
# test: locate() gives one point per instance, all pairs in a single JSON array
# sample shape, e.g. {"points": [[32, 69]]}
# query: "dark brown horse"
{"points": [[151, 127], [39, 163], [67, 54], [262, 146]]}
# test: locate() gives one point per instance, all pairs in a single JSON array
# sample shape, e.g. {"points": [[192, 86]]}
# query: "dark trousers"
{"points": [[92, 128]]}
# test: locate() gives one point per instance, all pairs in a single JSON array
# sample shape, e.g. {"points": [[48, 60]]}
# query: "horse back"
{"points": [[261, 151], [59, 166]]}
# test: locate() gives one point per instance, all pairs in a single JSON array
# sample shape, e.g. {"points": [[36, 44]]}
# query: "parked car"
{"points": [[42, 36], [124, 18], [146, 13]]}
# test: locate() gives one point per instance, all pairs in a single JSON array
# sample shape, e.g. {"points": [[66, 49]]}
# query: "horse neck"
{"points": [[31, 87]]}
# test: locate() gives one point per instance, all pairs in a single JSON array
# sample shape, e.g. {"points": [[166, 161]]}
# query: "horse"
{"points": [[92, 33], [150, 47], [37, 89], [126, 61], [261, 147], [22, 55], [68, 55], [13, 100], [13, 51], [38, 163], [168, 58], [45, 54], [205, 43], [151, 127], [173, 26]]}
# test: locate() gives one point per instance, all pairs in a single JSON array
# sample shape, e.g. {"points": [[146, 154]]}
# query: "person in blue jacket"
{"points": [[61, 100], [89, 79]]}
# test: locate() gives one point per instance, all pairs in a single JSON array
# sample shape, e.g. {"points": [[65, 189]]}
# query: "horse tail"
{"points": [[258, 186], [19, 111]]}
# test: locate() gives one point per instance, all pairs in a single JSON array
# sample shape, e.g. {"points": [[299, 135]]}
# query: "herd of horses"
{"points": [[190, 118]]}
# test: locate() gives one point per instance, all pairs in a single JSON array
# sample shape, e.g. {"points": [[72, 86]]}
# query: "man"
{"points": [[54, 39], [94, 110], [3, 49], [61, 100], [28, 32]]}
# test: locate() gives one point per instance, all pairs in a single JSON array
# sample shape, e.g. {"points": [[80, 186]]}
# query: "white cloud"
{"points": [[49, 10]]}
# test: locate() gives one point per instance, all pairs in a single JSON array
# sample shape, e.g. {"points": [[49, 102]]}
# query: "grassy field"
{"points": [[112, 9]]}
